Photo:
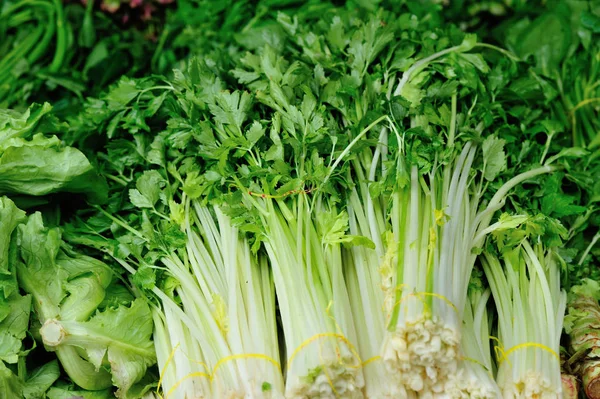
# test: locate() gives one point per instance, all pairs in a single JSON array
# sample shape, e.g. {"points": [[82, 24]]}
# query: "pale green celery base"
{"points": [[421, 355], [472, 381], [531, 385], [329, 381]]}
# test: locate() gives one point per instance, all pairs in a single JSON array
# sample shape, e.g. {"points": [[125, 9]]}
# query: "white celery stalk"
{"points": [[243, 301], [179, 357], [437, 221], [221, 340], [526, 288], [421, 345], [367, 276], [475, 378], [320, 340]]}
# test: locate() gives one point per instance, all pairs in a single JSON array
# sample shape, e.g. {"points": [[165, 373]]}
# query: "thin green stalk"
{"points": [[41, 47], [61, 38]]}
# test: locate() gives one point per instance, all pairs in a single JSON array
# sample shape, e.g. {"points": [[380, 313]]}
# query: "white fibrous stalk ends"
{"points": [[304, 251], [475, 377], [525, 285]]}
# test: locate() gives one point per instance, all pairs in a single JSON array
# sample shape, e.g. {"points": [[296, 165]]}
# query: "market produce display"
{"points": [[299, 199]]}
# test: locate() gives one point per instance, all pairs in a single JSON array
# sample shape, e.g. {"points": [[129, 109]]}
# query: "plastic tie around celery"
{"points": [[212, 375], [358, 365], [499, 349], [532, 380]]}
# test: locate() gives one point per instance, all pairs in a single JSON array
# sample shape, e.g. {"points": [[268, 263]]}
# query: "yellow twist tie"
{"points": [[341, 337], [315, 337], [162, 374], [176, 385], [420, 296], [528, 345], [371, 360], [502, 355], [210, 376], [477, 362], [499, 351]]}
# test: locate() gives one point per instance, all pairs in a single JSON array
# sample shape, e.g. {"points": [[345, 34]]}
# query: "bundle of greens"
{"points": [[476, 376], [215, 328], [226, 331], [525, 282], [302, 206], [59, 51], [38, 24]]}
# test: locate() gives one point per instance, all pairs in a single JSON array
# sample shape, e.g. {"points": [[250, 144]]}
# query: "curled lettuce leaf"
{"points": [[97, 348], [35, 164]]}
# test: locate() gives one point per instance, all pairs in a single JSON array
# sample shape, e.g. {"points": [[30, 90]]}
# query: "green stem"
{"points": [[82, 372], [352, 144], [38, 3], [7, 65], [121, 223], [20, 18], [19, 52], [452, 131], [589, 248], [41, 47], [159, 47], [61, 38], [509, 185]]}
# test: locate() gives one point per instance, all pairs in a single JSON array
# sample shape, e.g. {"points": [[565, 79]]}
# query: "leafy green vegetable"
{"points": [[68, 391], [41, 380], [347, 161], [14, 308], [10, 384], [33, 164], [57, 51], [96, 348], [526, 288]]}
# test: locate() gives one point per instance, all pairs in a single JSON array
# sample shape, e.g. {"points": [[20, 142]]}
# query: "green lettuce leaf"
{"points": [[43, 166], [96, 349], [15, 124], [10, 217], [10, 385], [41, 380], [33, 164]]}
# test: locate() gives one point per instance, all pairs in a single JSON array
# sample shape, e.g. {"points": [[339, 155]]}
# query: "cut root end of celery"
{"points": [[423, 354], [335, 380]]}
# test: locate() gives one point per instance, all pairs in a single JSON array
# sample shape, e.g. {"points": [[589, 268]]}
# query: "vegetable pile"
{"points": [[282, 199]]}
